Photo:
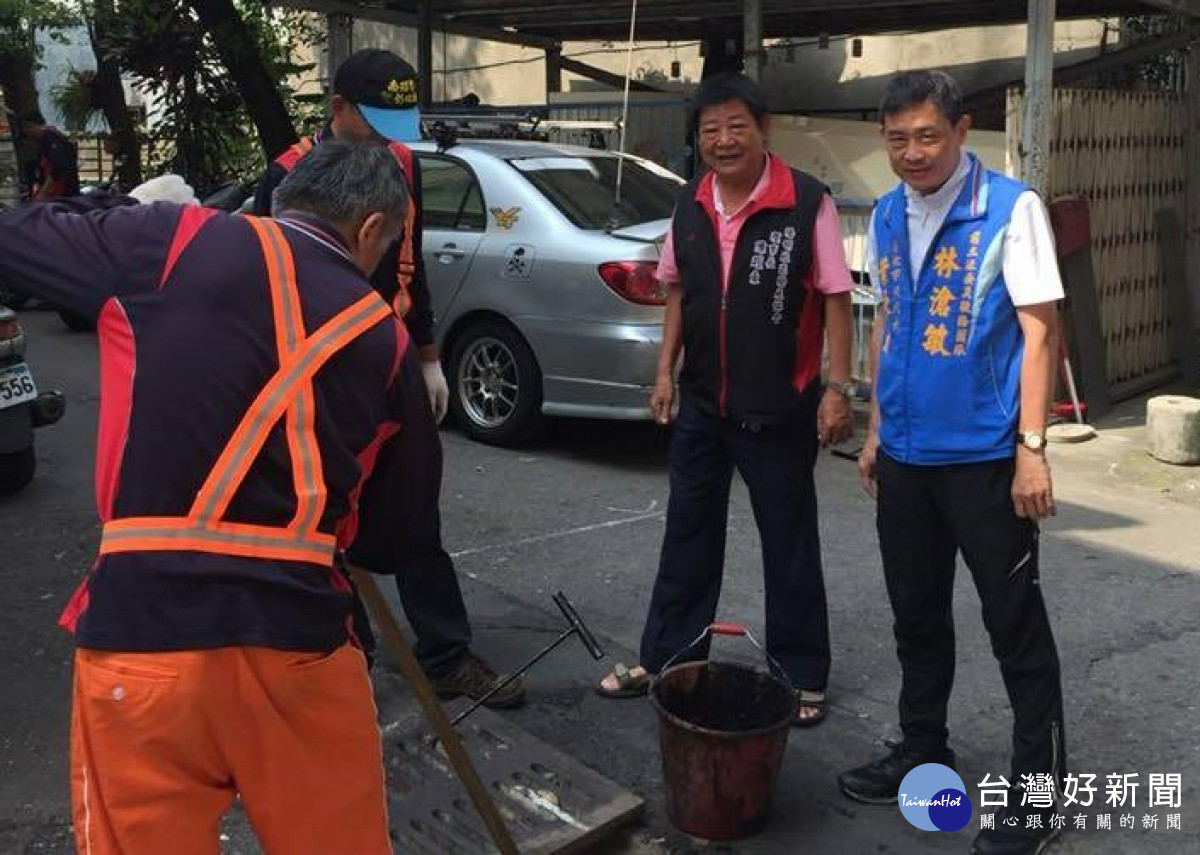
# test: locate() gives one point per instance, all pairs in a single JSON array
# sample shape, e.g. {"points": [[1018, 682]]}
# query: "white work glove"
{"points": [[165, 188], [435, 384]]}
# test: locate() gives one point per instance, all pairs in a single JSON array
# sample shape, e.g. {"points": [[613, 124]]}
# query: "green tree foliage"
{"points": [[200, 126], [19, 52]]}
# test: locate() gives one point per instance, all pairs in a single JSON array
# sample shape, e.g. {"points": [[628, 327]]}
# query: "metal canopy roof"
{"points": [[600, 20]]}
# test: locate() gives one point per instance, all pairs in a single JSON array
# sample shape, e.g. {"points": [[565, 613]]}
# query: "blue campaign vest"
{"points": [[950, 355]]}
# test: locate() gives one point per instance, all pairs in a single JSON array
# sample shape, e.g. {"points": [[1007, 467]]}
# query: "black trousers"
{"points": [[777, 466], [927, 514], [410, 540]]}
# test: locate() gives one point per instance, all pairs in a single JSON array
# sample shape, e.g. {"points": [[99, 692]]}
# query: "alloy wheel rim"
{"points": [[487, 382]]}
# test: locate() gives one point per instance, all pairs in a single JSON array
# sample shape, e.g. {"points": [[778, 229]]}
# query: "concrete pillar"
{"points": [[753, 39], [1038, 123], [1173, 429]]}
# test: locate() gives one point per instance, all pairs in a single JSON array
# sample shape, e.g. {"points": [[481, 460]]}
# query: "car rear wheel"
{"points": [[496, 385], [16, 469]]}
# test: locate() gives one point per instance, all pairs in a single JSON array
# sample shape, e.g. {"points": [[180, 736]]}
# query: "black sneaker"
{"points": [[1013, 834], [878, 783], [474, 678]]}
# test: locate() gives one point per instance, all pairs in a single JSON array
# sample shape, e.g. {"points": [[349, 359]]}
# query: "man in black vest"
{"points": [[758, 280]]}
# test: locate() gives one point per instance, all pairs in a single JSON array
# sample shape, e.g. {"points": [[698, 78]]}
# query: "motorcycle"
{"points": [[22, 407]]}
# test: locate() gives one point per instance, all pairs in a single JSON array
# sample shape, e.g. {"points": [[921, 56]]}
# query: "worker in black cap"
{"points": [[375, 98]]}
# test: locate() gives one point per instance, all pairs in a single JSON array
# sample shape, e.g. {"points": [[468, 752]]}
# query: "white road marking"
{"points": [[555, 535]]}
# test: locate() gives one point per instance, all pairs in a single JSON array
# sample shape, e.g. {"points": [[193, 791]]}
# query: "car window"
{"points": [[583, 188], [450, 195]]}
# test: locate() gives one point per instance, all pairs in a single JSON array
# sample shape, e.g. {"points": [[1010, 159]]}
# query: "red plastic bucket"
{"points": [[722, 732]]}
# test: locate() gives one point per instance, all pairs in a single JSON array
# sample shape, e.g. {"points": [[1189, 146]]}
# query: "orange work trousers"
{"points": [[162, 742]]}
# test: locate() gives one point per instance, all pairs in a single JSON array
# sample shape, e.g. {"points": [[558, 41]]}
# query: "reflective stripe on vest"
{"points": [[287, 395], [406, 266], [294, 153]]}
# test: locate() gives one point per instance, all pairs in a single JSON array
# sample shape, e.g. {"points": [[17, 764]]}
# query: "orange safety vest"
{"points": [[287, 395], [405, 262], [406, 266]]}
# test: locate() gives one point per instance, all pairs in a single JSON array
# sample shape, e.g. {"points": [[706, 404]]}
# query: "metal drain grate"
{"points": [[550, 802]]}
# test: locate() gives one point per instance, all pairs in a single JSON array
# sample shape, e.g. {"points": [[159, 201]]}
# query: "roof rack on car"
{"points": [[446, 128]]}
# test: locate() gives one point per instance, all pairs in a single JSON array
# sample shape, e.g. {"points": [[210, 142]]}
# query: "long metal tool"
{"points": [[577, 627], [397, 645]]}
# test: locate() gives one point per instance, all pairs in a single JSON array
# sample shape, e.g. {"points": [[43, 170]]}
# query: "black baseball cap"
{"points": [[384, 89]]}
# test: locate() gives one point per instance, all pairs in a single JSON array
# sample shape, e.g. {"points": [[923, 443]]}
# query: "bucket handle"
{"points": [[734, 629]]}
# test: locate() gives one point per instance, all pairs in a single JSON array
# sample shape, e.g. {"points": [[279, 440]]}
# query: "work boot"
{"points": [[474, 678], [1019, 830], [878, 783]]}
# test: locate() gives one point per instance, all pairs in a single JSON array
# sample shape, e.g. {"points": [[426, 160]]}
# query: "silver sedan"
{"points": [[542, 279]]}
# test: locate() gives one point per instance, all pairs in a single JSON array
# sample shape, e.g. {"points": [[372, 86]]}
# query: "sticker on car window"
{"points": [[518, 261], [506, 218]]}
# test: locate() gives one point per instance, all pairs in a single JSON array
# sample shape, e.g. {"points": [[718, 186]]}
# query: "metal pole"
{"points": [[1039, 93], [752, 47], [339, 40], [397, 645]]}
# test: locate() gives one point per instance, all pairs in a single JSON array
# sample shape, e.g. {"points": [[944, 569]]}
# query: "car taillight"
{"points": [[10, 329], [635, 281]]}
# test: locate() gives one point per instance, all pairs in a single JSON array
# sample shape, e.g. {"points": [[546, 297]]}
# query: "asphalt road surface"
{"points": [[581, 510]]}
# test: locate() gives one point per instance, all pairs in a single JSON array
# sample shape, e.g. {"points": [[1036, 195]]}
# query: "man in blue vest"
{"points": [[965, 348]]}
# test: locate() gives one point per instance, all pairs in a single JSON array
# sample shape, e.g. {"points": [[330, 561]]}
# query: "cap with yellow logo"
{"points": [[384, 89]]}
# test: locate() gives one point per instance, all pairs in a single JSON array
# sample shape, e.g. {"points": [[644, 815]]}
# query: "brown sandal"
{"points": [[629, 683], [815, 703]]}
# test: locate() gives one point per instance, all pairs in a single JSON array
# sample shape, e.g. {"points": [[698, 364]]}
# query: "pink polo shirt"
{"points": [[828, 274]]}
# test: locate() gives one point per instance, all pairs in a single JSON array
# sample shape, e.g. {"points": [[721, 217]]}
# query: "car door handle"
{"points": [[448, 253]]}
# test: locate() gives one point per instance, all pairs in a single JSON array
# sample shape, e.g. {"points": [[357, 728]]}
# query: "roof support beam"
{"points": [[1113, 59], [1188, 8], [405, 19], [591, 72]]}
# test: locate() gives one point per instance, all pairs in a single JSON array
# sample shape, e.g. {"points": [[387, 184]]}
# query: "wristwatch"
{"points": [[1034, 440], [845, 388]]}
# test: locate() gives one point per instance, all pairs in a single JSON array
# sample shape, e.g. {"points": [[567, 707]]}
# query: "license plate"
{"points": [[16, 385]]}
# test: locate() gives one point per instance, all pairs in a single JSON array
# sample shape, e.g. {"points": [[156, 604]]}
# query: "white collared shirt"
{"points": [[1029, 261]]}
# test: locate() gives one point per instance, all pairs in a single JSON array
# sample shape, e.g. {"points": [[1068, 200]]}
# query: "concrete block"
{"points": [[1173, 429]]}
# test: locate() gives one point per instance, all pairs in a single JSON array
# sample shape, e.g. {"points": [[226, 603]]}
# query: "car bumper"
{"points": [[592, 370]]}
